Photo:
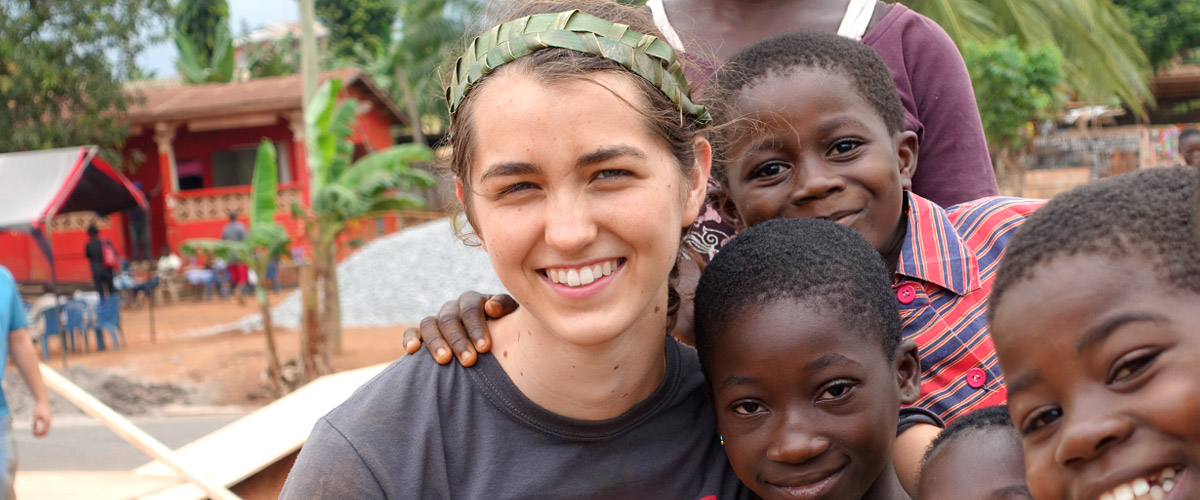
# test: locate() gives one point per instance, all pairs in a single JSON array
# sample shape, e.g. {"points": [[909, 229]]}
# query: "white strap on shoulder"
{"points": [[854, 24], [664, 25]]}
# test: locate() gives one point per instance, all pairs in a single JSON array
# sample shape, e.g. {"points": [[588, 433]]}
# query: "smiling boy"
{"points": [[1095, 318]]}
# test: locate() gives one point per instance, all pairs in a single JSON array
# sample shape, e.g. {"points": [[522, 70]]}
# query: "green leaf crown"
{"points": [[646, 55]]}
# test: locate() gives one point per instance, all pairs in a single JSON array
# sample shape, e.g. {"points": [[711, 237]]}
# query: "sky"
{"points": [[160, 59]]}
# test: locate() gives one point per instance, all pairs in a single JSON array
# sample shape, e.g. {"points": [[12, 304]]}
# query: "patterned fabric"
{"points": [[942, 283], [709, 233]]}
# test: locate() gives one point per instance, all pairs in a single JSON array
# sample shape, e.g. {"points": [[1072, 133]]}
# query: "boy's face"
{"points": [[812, 147], [807, 406], [1189, 149], [1103, 369], [978, 464]]}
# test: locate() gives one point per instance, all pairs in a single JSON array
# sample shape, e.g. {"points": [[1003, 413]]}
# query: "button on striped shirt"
{"points": [[942, 282]]}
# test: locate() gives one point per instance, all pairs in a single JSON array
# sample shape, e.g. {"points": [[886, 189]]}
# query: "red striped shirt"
{"points": [[942, 283]]}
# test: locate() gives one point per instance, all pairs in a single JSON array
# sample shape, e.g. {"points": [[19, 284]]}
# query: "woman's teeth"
{"points": [[580, 276], [1152, 487]]}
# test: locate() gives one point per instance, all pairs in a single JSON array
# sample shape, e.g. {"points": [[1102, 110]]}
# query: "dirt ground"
{"points": [[226, 368]]}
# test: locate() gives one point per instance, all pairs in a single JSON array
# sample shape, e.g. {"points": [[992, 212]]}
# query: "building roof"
{"points": [[1179, 82], [274, 94]]}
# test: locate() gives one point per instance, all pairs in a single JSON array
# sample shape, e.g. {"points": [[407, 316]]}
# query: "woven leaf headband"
{"points": [[645, 55]]}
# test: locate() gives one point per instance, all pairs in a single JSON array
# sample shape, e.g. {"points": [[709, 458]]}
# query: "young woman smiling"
{"points": [[577, 161]]}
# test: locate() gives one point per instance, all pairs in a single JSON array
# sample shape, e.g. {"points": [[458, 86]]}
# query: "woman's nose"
{"points": [[570, 224]]}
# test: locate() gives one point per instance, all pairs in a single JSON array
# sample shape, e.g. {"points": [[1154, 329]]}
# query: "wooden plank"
{"points": [[250, 444], [1045, 183], [95, 485], [131, 433]]}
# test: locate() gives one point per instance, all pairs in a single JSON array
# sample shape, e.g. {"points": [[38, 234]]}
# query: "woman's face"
{"points": [[578, 205]]}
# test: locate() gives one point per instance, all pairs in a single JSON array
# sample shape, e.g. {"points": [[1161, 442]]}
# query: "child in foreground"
{"points": [[1095, 316], [978, 457], [801, 348]]}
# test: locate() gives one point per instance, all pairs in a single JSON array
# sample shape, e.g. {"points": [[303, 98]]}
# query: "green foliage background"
{"points": [[57, 84], [201, 21], [1012, 85], [1164, 28], [363, 23]]}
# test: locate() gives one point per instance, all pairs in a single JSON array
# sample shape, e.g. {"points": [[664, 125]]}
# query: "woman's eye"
{"points": [[519, 186], [1041, 419], [769, 169], [1128, 368], [844, 146], [747, 408], [612, 173], [836, 391]]}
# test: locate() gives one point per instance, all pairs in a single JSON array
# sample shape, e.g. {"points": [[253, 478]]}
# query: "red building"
{"points": [[197, 145]]}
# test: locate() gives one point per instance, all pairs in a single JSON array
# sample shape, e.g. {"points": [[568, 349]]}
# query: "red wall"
{"points": [[25, 260]]}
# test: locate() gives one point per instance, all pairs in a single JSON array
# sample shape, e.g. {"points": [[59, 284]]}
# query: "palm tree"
{"points": [[265, 241], [1101, 57], [342, 192]]}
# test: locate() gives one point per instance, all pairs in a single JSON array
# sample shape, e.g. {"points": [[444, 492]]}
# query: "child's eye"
{"points": [[769, 169], [836, 391], [843, 146], [1130, 365], [1041, 418], [745, 408]]}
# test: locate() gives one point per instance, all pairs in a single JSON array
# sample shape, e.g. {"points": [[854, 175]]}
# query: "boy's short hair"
{"points": [[1149, 215], [780, 54], [1188, 132], [92, 230], [983, 418], [797, 259]]}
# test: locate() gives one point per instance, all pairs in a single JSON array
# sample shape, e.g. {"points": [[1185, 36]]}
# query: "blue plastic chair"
{"points": [[50, 317], [108, 318], [76, 323]]}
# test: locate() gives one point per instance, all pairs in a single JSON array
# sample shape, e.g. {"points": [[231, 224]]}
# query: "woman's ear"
{"points": [[907, 145], [461, 193], [701, 167], [908, 371], [458, 188]]}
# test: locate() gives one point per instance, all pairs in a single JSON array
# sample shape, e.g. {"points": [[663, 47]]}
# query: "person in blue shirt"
{"points": [[17, 345]]}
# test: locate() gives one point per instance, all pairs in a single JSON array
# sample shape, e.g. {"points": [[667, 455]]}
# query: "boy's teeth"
{"points": [[1152, 487], [1140, 487], [582, 275]]}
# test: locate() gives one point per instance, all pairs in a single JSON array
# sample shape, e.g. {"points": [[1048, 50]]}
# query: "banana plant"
{"points": [[196, 69], [265, 241], [342, 191]]}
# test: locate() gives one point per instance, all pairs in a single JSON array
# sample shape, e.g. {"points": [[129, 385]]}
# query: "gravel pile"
{"points": [[400, 278], [129, 397]]}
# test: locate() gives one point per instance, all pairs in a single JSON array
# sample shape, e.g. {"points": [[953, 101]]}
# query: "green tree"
{"points": [[1101, 57], [266, 240], [1164, 28], [196, 69], [57, 82], [201, 21], [356, 23], [342, 192], [1012, 86], [272, 59]]}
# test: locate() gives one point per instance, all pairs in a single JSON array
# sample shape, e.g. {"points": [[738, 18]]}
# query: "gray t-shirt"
{"points": [[233, 231], [419, 430]]}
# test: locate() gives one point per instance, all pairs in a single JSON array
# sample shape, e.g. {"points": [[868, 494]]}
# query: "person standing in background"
{"points": [[102, 274], [234, 230], [16, 343]]}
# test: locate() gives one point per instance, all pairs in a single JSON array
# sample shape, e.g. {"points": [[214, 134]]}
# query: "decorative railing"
{"points": [[77, 221], [218, 205]]}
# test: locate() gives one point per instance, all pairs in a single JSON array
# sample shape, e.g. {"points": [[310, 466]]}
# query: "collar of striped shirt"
{"points": [[934, 250]]}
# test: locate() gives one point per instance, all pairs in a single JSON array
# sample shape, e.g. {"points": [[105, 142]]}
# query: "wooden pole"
{"points": [[129, 432]]}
